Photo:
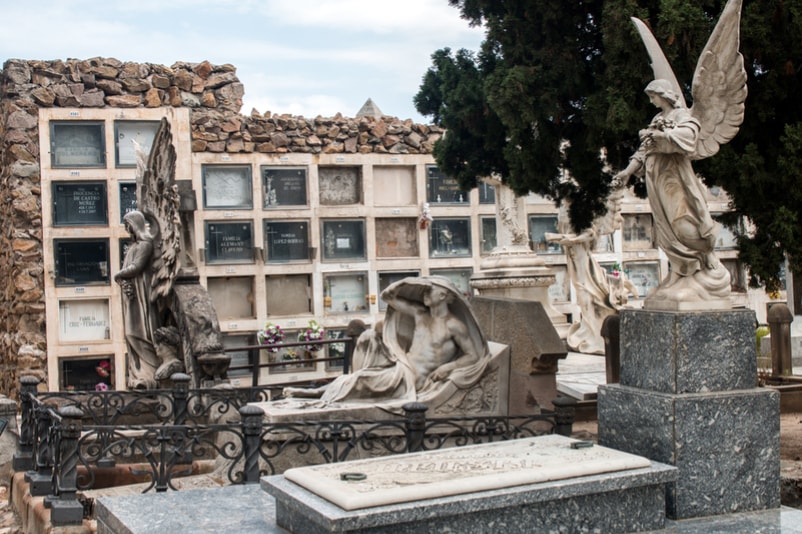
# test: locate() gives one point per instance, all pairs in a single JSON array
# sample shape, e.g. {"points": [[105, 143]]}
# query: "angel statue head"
{"points": [[136, 225], [663, 89]]}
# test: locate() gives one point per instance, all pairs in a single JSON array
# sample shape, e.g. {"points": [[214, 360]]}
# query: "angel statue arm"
{"points": [[684, 229]]}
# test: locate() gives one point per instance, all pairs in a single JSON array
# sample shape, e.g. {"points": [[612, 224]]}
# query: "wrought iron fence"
{"points": [[64, 437]]}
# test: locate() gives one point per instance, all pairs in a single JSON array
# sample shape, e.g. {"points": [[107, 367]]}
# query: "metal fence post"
{"points": [[251, 421], [40, 477], [180, 397], [66, 509], [415, 413], [611, 332], [564, 413], [23, 458]]}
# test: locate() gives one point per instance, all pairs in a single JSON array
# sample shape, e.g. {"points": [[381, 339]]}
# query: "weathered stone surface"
{"points": [[124, 101]]}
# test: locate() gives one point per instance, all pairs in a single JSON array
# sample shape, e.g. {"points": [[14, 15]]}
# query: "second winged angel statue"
{"points": [[677, 135]]}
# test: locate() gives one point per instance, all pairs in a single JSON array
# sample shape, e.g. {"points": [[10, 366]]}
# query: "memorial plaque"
{"points": [[91, 374], [450, 237], [232, 296], [644, 276], [387, 278], [229, 242], [343, 239], [489, 236], [79, 204], [335, 350], [127, 198], [340, 185], [295, 359], [143, 132], [347, 292], [84, 261], [440, 189], [227, 187], [397, 238], [83, 320], [77, 144], [461, 278], [460, 470], [283, 186], [637, 232], [394, 186], [559, 291], [726, 239], [239, 358], [737, 274], [289, 294], [286, 241], [539, 226], [487, 193]]}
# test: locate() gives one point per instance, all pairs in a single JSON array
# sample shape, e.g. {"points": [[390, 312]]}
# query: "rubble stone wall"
{"points": [[214, 95]]}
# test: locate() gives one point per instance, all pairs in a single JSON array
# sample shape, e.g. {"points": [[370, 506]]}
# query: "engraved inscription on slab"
{"points": [[77, 144], [340, 185], [227, 186], [440, 189], [229, 242], [459, 470], [286, 241], [79, 203], [81, 261], [83, 320], [283, 186]]}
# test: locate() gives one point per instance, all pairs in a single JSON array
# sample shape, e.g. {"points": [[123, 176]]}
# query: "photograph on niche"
{"points": [[343, 239]]}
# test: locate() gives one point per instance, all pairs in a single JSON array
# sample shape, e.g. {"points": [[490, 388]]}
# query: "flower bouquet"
{"points": [[270, 335], [313, 332]]}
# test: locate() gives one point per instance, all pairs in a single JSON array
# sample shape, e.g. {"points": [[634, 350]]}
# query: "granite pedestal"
{"points": [[687, 397]]}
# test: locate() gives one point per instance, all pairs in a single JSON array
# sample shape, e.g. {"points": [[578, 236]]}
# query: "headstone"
{"points": [[286, 241], [84, 261], [79, 204], [229, 242], [535, 349], [283, 186]]}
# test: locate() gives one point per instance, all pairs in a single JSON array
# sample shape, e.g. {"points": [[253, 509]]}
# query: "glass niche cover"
{"points": [[125, 132], [286, 241], [343, 239], [229, 242], [81, 261], [345, 293], [539, 226], [77, 144], [283, 187], [440, 189], [227, 187], [79, 204], [450, 237]]}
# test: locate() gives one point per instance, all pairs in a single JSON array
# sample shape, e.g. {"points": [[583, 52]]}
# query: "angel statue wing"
{"points": [[158, 199], [719, 82]]}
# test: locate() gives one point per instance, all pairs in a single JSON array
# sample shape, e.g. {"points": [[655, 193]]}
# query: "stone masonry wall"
{"points": [[214, 95]]}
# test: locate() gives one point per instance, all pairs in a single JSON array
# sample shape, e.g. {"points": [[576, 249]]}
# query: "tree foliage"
{"points": [[556, 82]]}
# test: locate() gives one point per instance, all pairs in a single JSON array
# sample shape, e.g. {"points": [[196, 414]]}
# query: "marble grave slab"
{"points": [[433, 474]]}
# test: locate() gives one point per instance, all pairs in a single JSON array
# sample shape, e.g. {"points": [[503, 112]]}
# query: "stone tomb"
{"points": [[523, 485], [687, 397]]}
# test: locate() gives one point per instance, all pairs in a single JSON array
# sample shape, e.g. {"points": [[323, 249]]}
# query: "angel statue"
{"points": [[676, 136], [598, 294], [163, 318]]}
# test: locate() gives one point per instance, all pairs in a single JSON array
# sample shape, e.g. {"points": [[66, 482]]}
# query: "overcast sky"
{"points": [[305, 57]]}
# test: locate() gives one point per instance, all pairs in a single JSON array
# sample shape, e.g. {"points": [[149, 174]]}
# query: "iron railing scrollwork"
{"points": [[67, 437]]}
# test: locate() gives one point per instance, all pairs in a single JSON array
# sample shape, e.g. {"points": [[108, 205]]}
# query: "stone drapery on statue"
{"points": [[684, 228], [598, 293], [429, 340]]}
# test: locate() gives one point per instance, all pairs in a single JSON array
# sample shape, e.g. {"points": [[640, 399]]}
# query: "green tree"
{"points": [[551, 72]]}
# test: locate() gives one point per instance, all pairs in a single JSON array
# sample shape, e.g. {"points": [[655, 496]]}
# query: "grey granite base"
{"points": [[726, 445], [241, 509], [688, 352], [624, 501], [249, 510]]}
